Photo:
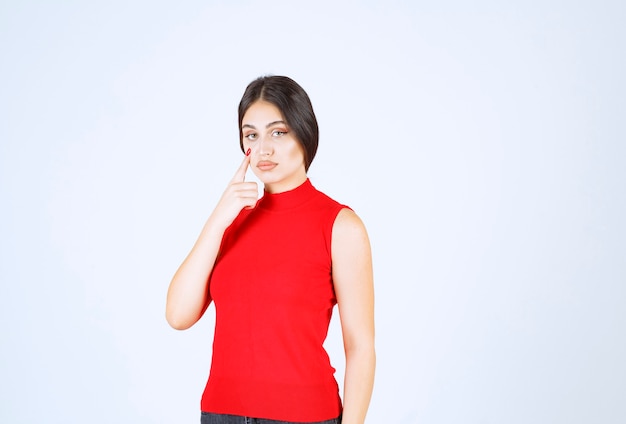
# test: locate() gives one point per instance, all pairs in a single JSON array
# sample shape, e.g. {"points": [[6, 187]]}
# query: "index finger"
{"points": [[240, 175]]}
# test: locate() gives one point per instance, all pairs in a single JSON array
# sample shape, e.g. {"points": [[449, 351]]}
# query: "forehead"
{"points": [[262, 112]]}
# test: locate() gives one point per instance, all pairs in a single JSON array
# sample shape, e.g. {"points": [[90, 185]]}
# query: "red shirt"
{"points": [[274, 296]]}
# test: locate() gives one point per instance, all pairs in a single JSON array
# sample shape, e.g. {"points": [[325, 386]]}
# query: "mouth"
{"points": [[266, 165]]}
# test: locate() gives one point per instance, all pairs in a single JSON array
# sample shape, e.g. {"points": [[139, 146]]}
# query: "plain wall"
{"points": [[482, 143]]}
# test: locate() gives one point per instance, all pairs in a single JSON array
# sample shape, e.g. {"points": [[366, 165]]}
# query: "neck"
{"points": [[282, 186], [287, 200]]}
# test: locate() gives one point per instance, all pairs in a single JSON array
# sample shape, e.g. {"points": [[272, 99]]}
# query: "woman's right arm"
{"points": [[188, 293]]}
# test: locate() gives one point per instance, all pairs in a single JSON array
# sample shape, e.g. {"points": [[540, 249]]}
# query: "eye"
{"points": [[278, 133], [251, 136]]}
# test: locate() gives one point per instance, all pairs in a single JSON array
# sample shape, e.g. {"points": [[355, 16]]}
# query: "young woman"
{"points": [[275, 267]]}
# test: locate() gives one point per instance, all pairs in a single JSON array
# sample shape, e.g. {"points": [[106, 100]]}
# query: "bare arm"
{"points": [[354, 286], [188, 293]]}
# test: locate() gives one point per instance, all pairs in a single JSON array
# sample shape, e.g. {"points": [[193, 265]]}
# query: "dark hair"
{"points": [[292, 102]]}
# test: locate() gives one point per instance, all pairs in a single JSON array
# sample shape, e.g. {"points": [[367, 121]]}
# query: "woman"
{"points": [[274, 268]]}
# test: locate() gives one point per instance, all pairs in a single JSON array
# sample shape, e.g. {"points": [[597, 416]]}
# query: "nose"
{"points": [[265, 146]]}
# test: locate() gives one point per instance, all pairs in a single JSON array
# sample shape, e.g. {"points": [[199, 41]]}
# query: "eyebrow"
{"points": [[267, 126]]}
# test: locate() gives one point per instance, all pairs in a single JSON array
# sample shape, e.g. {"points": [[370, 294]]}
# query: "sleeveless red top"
{"points": [[273, 295]]}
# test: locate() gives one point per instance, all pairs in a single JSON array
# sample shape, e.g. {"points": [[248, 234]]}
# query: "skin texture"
{"points": [[277, 159]]}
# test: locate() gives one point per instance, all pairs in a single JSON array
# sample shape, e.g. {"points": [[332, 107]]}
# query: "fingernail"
{"points": [[248, 152]]}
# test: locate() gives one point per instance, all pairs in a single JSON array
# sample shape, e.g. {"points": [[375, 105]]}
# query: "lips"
{"points": [[266, 165]]}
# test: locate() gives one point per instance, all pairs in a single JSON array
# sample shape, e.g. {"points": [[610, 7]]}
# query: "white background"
{"points": [[482, 143]]}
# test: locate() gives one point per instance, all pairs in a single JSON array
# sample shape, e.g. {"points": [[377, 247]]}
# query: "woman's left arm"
{"points": [[354, 286]]}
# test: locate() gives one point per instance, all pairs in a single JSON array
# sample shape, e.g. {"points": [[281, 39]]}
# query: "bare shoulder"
{"points": [[351, 265], [348, 228]]}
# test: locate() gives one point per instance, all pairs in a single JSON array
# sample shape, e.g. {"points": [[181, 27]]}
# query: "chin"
{"points": [[264, 177], [267, 180]]}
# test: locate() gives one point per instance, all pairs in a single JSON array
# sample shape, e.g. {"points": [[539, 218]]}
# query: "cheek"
{"points": [[297, 152], [257, 173]]}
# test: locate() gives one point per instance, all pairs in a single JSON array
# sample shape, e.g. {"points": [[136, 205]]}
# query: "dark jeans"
{"points": [[209, 418]]}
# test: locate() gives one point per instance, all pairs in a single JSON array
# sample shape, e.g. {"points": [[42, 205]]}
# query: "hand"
{"points": [[238, 195]]}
